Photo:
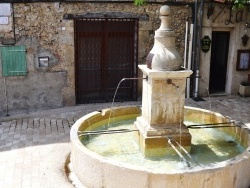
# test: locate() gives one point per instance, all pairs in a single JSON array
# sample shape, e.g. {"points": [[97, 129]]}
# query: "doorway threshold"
{"points": [[198, 99], [218, 94]]}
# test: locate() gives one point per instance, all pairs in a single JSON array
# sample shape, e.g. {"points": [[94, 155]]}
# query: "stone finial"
{"points": [[165, 19], [164, 56], [165, 10]]}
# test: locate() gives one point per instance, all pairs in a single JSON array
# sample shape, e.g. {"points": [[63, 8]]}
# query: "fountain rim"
{"points": [[245, 155]]}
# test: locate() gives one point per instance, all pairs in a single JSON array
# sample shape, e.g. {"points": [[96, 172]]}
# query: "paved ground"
{"points": [[34, 147]]}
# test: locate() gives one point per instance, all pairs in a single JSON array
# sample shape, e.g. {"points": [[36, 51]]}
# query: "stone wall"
{"points": [[41, 27], [32, 92]]}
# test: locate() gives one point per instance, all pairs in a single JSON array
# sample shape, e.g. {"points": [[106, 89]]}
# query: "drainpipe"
{"points": [[185, 49], [196, 89], [193, 55], [13, 25], [190, 58], [194, 34], [6, 97], [197, 48]]}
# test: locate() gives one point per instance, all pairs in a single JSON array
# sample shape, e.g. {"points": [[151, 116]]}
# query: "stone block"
{"points": [[145, 25]]}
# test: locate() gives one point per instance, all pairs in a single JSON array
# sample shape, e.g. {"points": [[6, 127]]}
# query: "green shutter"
{"points": [[13, 61]]}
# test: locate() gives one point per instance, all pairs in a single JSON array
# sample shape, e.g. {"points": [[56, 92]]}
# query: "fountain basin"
{"points": [[94, 170]]}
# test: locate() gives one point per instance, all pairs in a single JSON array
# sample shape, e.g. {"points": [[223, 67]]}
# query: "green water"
{"points": [[208, 146]]}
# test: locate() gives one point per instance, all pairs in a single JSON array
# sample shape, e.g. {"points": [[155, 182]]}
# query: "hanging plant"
{"points": [[237, 4], [139, 2]]}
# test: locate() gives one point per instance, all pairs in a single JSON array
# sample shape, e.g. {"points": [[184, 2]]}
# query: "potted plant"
{"points": [[244, 89]]}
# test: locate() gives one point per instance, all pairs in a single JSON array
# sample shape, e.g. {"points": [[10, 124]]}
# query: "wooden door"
{"points": [[105, 52]]}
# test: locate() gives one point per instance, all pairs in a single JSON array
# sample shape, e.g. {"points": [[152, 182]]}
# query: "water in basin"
{"points": [[208, 146]]}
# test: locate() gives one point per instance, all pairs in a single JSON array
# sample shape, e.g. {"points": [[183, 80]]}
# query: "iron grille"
{"points": [[106, 52]]}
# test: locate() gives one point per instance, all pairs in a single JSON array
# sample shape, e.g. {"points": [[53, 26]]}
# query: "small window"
{"points": [[13, 61], [243, 60]]}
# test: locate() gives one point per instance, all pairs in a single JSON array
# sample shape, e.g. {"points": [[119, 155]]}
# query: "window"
{"points": [[13, 61], [243, 60]]}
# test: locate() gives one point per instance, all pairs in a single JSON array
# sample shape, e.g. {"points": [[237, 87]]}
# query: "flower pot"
{"points": [[244, 91]]}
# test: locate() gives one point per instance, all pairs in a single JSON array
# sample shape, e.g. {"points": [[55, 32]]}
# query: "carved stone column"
{"points": [[163, 95]]}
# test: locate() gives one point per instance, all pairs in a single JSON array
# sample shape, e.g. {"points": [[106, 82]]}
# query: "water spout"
{"points": [[169, 81], [179, 153], [183, 149], [86, 133], [212, 125], [113, 101]]}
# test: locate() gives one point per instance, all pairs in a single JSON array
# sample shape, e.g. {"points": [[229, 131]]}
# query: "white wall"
{"points": [[237, 30]]}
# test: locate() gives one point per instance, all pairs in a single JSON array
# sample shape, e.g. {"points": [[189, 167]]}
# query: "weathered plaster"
{"points": [[24, 94]]}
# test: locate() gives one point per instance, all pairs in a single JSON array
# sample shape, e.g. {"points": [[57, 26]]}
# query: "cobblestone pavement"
{"points": [[34, 147]]}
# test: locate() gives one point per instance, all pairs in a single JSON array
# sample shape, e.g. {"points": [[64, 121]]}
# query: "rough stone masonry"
{"points": [[44, 29]]}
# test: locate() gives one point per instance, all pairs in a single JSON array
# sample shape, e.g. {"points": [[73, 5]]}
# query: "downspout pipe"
{"points": [[6, 97], [195, 33], [13, 25], [189, 58], [194, 46], [185, 48], [197, 65]]}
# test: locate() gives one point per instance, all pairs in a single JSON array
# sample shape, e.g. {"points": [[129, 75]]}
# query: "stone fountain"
{"points": [[163, 94], [161, 119]]}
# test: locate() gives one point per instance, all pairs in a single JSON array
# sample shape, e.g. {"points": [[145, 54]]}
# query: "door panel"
{"points": [[219, 58], [104, 55]]}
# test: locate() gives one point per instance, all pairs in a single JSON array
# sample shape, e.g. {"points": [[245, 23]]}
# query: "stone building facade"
{"points": [[46, 29], [235, 24]]}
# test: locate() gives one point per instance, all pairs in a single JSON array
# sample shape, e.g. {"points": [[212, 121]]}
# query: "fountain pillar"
{"points": [[163, 95]]}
